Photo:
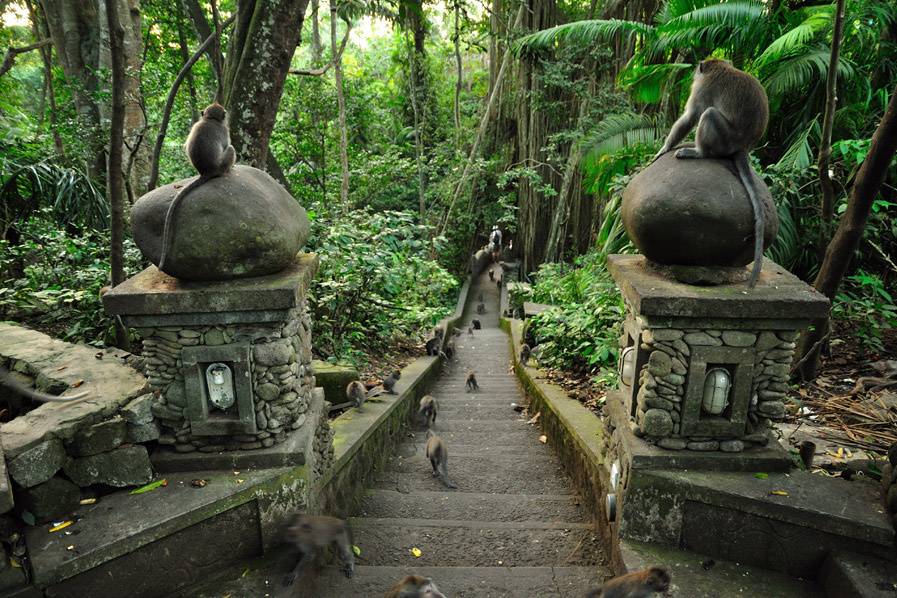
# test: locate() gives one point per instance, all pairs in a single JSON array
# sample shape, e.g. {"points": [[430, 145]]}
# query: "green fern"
{"points": [[729, 14], [792, 40], [796, 72], [799, 154], [580, 33], [618, 131]]}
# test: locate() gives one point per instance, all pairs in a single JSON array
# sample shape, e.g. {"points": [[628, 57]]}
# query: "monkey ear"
{"points": [[701, 67]]}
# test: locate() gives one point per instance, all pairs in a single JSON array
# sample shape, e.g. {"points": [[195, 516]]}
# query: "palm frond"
{"points": [[796, 72], [618, 131], [646, 82], [729, 14], [580, 32], [799, 154], [790, 41]]}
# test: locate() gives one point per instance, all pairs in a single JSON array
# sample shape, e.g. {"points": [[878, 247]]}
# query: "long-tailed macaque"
{"points": [[438, 456], [638, 584], [309, 534], [209, 149], [389, 383], [731, 110], [415, 586], [471, 383], [7, 380], [426, 413]]}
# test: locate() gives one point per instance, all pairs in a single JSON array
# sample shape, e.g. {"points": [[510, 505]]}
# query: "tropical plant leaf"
{"points": [[581, 32], [618, 131], [792, 40], [729, 14], [799, 154], [798, 71]]}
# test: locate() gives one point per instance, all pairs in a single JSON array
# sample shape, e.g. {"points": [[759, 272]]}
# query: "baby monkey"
{"points": [[438, 456], [390, 383], [209, 149], [309, 534], [638, 584], [7, 380], [415, 586], [426, 414], [731, 110], [472, 385]]}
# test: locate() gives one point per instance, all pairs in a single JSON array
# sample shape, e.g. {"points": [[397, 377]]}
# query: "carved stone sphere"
{"points": [[238, 225], [694, 213]]}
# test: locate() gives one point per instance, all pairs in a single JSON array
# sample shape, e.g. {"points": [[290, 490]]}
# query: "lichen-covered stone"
{"points": [[659, 363], [676, 444], [139, 411], [703, 445], [657, 422], [37, 464], [272, 354], [98, 438], [772, 409], [241, 224], [731, 446], [738, 338], [143, 432], [701, 339], [124, 466], [52, 499]]}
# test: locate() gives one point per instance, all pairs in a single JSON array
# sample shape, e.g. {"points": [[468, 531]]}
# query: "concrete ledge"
{"points": [[364, 438], [576, 434]]}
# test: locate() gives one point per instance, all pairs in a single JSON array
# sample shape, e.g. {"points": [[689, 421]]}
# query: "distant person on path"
{"points": [[495, 240]]}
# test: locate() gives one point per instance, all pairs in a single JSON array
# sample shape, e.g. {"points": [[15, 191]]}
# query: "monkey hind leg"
{"points": [[713, 138]]}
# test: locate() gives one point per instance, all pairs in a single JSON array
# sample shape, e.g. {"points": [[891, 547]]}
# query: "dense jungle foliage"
{"points": [[408, 128]]}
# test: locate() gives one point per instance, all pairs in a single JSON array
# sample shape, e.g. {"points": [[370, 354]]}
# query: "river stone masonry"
{"points": [[228, 362], [707, 368]]}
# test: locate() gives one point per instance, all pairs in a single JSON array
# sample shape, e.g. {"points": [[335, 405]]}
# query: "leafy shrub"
{"points": [[376, 285], [867, 304], [51, 280], [581, 333]]}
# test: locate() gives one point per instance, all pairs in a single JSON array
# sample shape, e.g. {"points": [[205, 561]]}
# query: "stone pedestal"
{"points": [[706, 368], [229, 362]]}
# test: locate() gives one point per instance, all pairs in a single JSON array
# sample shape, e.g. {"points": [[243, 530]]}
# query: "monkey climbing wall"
{"points": [[514, 527]]}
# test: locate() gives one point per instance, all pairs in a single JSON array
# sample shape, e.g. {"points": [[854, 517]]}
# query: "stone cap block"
{"points": [[152, 292], [778, 295]]}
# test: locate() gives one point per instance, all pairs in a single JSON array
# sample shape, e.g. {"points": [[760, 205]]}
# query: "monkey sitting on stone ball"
{"points": [[209, 149], [731, 110]]}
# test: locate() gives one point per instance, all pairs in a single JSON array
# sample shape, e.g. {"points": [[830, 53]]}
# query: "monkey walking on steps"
{"points": [[415, 586], [481, 309], [209, 149], [438, 456], [476, 324], [638, 584], [7, 380], [731, 110], [492, 274], [426, 413], [472, 385], [309, 534]]}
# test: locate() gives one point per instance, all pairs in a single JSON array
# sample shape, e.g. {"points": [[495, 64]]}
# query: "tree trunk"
{"points": [[203, 31], [484, 124], [458, 74], [185, 56], [317, 48], [116, 143], [337, 58], [258, 60], [850, 230], [831, 100], [554, 249], [418, 141], [39, 27], [75, 29]]}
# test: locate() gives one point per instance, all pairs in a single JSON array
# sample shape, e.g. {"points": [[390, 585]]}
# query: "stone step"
{"points": [[735, 516], [469, 480], [470, 505], [462, 543], [698, 576], [445, 426], [849, 575], [519, 434], [499, 464], [457, 582]]}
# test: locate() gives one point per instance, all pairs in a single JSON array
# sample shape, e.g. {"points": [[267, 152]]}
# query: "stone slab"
{"points": [[778, 294], [850, 575], [179, 560], [642, 455], [333, 379], [121, 523], [109, 382], [154, 293], [292, 452], [531, 309], [691, 579], [6, 500]]}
